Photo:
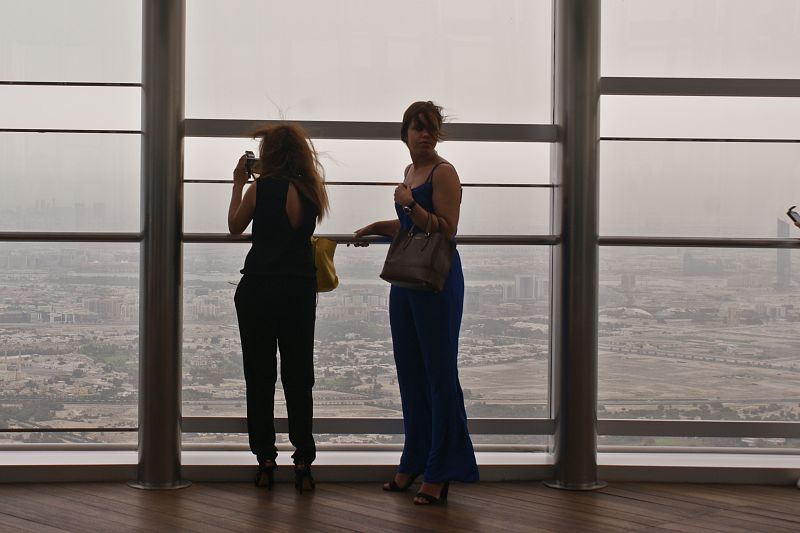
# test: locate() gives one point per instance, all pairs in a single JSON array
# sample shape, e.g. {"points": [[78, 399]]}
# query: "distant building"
{"points": [[542, 289], [472, 301], [628, 281], [14, 317], [783, 276], [698, 266], [509, 292], [523, 285]]}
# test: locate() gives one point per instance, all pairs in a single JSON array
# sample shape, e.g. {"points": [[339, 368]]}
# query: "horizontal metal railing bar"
{"points": [[60, 130], [766, 88], [73, 83], [603, 448], [697, 428], [698, 242], [477, 426], [243, 446], [697, 140], [67, 430], [43, 236], [394, 183], [347, 238], [329, 129], [68, 446]]}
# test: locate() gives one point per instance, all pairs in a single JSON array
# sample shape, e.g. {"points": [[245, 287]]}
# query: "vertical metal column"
{"points": [[574, 263], [162, 212]]}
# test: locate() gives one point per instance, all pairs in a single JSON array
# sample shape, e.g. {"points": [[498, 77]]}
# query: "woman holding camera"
{"points": [[276, 297], [425, 325]]}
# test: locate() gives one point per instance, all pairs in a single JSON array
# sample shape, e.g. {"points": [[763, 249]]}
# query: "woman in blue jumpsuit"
{"points": [[425, 325]]}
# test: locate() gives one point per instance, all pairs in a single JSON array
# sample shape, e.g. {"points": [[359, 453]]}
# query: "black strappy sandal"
{"points": [[302, 474], [265, 475], [430, 499], [392, 486]]}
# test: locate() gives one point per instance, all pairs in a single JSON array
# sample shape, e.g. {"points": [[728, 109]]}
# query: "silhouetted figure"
{"points": [[425, 325], [276, 298]]}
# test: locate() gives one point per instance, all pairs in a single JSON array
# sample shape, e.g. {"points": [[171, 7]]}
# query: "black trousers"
{"points": [[278, 313]]}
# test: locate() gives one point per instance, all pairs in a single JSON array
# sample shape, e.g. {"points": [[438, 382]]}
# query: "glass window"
{"points": [[69, 320], [700, 39], [69, 182], [524, 211], [358, 160], [697, 189], [318, 60], [504, 353], [85, 108], [79, 40], [700, 117], [699, 334]]}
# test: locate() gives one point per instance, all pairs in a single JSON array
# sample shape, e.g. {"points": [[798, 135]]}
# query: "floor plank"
{"points": [[347, 507]]}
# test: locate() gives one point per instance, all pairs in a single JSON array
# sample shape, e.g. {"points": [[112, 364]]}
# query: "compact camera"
{"points": [[252, 165], [794, 215]]}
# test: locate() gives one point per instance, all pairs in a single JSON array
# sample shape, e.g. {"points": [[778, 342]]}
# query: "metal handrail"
{"points": [[699, 242], [394, 183], [346, 130], [50, 236], [72, 83], [764, 88], [348, 238], [697, 140]]}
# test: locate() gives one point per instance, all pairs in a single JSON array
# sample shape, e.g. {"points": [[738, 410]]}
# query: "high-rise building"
{"points": [[783, 276], [523, 285]]}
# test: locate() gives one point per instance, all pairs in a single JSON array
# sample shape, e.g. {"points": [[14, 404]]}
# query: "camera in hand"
{"points": [[252, 164]]}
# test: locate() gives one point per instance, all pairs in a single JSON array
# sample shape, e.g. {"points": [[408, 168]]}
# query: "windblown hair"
{"points": [[424, 116], [287, 151]]}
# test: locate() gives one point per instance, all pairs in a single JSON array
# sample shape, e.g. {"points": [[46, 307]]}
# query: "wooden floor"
{"points": [[364, 507]]}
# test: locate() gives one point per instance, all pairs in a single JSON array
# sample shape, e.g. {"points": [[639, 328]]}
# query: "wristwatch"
{"points": [[410, 207]]}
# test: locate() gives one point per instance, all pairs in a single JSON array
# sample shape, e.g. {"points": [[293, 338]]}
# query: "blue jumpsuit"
{"points": [[425, 328]]}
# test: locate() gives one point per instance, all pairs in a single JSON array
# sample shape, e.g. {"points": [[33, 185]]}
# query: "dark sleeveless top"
{"points": [[423, 195], [278, 249]]}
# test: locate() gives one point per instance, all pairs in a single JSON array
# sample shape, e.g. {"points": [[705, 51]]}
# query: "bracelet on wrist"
{"points": [[410, 207]]}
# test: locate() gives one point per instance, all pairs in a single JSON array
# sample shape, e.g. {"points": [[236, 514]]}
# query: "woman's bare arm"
{"points": [[387, 228], [240, 210]]}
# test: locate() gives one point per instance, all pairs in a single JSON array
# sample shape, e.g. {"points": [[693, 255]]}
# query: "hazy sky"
{"points": [[365, 60]]}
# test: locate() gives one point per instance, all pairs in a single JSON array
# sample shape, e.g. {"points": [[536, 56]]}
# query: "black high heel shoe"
{"points": [[392, 486], [303, 480], [430, 499], [265, 475]]}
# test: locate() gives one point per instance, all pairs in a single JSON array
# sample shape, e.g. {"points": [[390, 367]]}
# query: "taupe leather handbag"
{"points": [[419, 260]]}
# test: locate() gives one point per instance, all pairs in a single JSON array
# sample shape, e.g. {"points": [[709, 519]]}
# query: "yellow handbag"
{"points": [[327, 280]]}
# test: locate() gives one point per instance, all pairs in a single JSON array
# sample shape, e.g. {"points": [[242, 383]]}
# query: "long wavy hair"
{"points": [[287, 151]]}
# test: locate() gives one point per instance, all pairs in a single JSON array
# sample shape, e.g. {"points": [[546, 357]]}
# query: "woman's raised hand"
{"points": [[402, 195], [239, 173]]}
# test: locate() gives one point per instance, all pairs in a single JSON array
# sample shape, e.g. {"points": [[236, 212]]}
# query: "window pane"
{"points": [[504, 354], [69, 182], [484, 211], [357, 160], [700, 117], [689, 333], [700, 39], [79, 40], [483, 61], [697, 189], [69, 320], [85, 108]]}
